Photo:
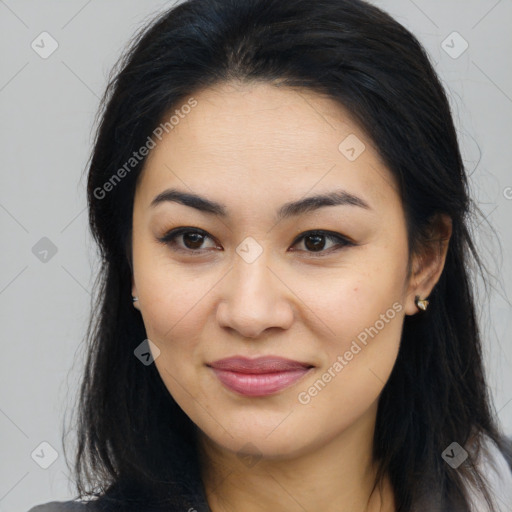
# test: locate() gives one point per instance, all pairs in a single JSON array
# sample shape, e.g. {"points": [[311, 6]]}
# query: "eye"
{"points": [[193, 238], [315, 241]]}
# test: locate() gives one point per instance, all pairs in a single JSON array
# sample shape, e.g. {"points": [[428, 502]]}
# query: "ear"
{"points": [[134, 293], [427, 266]]}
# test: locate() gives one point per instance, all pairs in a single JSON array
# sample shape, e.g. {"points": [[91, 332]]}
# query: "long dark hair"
{"points": [[134, 441]]}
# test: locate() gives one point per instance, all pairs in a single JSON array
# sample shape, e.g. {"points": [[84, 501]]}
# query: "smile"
{"points": [[259, 384]]}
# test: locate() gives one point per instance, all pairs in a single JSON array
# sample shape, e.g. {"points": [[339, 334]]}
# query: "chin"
{"points": [[261, 442]]}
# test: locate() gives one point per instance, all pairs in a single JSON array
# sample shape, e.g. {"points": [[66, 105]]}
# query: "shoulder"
{"points": [[498, 474], [64, 506]]}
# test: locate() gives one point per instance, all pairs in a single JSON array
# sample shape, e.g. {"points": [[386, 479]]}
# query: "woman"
{"points": [[286, 318]]}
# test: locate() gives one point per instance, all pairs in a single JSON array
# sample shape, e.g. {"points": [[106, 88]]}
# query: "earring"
{"points": [[422, 304], [135, 299]]}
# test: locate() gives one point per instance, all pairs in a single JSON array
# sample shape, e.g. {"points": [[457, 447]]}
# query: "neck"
{"points": [[335, 477]]}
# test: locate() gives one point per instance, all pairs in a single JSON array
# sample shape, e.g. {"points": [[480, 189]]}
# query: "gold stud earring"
{"points": [[422, 304]]}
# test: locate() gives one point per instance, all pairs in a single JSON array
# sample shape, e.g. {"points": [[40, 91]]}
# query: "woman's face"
{"points": [[246, 283]]}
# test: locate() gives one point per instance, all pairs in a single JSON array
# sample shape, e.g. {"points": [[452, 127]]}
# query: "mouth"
{"points": [[261, 376]]}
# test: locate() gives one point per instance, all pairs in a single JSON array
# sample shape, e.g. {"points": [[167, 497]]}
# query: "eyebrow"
{"points": [[291, 209]]}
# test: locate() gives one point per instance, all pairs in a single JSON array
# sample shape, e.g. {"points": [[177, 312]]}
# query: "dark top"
{"points": [[62, 506], [76, 506], [493, 465]]}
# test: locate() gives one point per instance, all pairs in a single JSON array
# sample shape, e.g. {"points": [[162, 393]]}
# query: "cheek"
{"points": [[172, 312], [174, 318], [362, 310], [346, 301], [356, 365], [173, 297], [367, 321]]}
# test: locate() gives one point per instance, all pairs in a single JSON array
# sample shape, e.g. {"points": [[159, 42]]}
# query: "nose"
{"points": [[255, 299]]}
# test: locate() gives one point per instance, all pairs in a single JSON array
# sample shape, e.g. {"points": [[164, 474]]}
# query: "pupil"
{"points": [[197, 239], [317, 238]]}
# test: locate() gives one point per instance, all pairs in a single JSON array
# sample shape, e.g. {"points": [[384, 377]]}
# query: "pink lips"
{"points": [[258, 377]]}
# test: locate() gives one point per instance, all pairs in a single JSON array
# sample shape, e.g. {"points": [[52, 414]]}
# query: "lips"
{"points": [[259, 377]]}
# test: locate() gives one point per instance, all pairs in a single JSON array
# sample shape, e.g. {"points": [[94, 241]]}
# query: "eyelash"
{"points": [[169, 240]]}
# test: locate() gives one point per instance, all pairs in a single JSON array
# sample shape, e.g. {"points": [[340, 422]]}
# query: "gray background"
{"points": [[47, 109]]}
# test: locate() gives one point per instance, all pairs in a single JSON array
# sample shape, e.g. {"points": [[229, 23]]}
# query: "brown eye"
{"points": [[315, 241], [192, 240]]}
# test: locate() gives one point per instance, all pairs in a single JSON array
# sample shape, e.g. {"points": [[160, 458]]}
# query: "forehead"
{"points": [[260, 139]]}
